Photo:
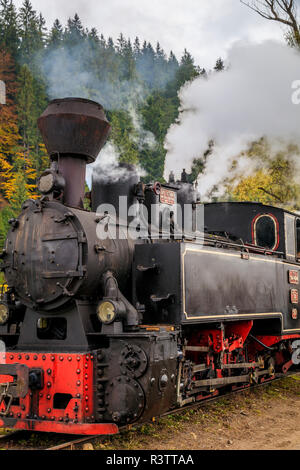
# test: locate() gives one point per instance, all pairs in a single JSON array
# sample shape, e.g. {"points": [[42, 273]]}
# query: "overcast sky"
{"points": [[206, 28]]}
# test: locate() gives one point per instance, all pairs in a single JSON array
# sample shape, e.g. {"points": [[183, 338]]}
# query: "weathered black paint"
{"points": [[122, 396]]}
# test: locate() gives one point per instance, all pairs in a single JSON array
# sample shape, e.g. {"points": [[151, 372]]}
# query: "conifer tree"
{"points": [[102, 42], [187, 70], [9, 31], [74, 32], [31, 32], [136, 48], [93, 36], [219, 67], [55, 36], [26, 107]]}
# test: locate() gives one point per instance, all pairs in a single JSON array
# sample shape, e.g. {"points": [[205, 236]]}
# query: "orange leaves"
{"points": [[9, 135], [17, 172]]}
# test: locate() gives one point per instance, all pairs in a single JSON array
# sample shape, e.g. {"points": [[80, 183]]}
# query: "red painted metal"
{"points": [[287, 366], [6, 379], [87, 429], [167, 197], [295, 314], [294, 296], [208, 338], [157, 188], [241, 329], [232, 340], [236, 334], [234, 337], [281, 357], [294, 277], [68, 374], [272, 340]]}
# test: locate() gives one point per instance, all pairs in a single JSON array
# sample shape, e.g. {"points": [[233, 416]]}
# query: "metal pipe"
{"points": [[73, 170], [262, 344]]}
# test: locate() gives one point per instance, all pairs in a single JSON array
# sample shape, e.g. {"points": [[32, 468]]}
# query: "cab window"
{"points": [[290, 236], [265, 232]]}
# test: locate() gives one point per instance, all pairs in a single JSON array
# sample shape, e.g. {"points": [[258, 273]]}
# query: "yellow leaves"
{"points": [[9, 176], [44, 157], [4, 165], [22, 164], [271, 175], [249, 188]]}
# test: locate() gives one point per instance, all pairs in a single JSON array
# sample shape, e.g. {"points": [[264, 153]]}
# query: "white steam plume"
{"points": [[106, 165], [107, 169], [250, 100], [143, 137]]}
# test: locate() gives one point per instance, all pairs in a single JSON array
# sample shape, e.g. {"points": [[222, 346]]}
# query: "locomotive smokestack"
{"points": [[74, 131]]}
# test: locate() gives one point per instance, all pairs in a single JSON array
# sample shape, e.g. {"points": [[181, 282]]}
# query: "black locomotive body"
{"points": [[102, 331]]}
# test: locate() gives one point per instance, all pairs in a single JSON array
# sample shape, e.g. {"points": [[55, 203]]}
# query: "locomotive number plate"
{"points": [[294, 277], [294, 296], [295, 314], [167, 197]]}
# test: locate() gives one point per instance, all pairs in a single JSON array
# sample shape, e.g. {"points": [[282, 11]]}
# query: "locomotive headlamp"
{"points": [[109, 311], [50, 181], [4, 313], [46, 183]]}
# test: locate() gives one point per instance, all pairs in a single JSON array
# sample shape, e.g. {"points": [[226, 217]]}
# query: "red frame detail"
{"points": [[272, 340], [64, 374], [85, 429]]}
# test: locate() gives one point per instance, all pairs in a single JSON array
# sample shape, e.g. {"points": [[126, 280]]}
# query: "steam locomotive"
{"points": [[104, 331]]}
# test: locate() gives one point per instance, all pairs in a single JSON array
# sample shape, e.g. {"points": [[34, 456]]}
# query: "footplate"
{"points": [[14, 383]]}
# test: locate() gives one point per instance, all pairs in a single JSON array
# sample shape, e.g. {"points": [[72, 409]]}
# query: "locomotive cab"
{"points": [[259, 227]]}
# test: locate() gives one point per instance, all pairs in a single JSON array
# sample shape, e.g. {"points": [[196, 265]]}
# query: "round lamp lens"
{"points": [[4, 313], [106, 312], [46, 183]]}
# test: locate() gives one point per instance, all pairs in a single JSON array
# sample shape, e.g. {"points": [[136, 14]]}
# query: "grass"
{"points": [[35, 440]]}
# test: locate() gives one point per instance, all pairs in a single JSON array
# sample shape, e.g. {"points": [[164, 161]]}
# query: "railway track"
{"points": [[10, 437]]}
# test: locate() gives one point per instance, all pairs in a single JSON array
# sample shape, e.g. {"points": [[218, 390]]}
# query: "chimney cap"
{"points": [[74, 126], [77, 99]]}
